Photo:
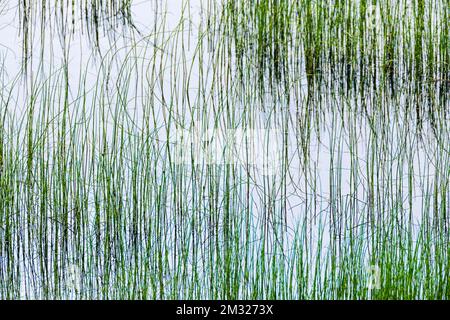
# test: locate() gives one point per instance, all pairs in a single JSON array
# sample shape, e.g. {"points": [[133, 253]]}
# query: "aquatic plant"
{"points": [[101, 198]]}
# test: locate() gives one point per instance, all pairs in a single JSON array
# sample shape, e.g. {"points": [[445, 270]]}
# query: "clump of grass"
{"points": [[94, 205], [64, 18]]}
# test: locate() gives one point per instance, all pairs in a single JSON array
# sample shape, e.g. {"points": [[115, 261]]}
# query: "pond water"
{"points": [[197, 149]]}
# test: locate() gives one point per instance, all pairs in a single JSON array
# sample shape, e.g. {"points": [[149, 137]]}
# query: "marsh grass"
{"points": [[366, 42], [94, 205], [63, 19]]}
